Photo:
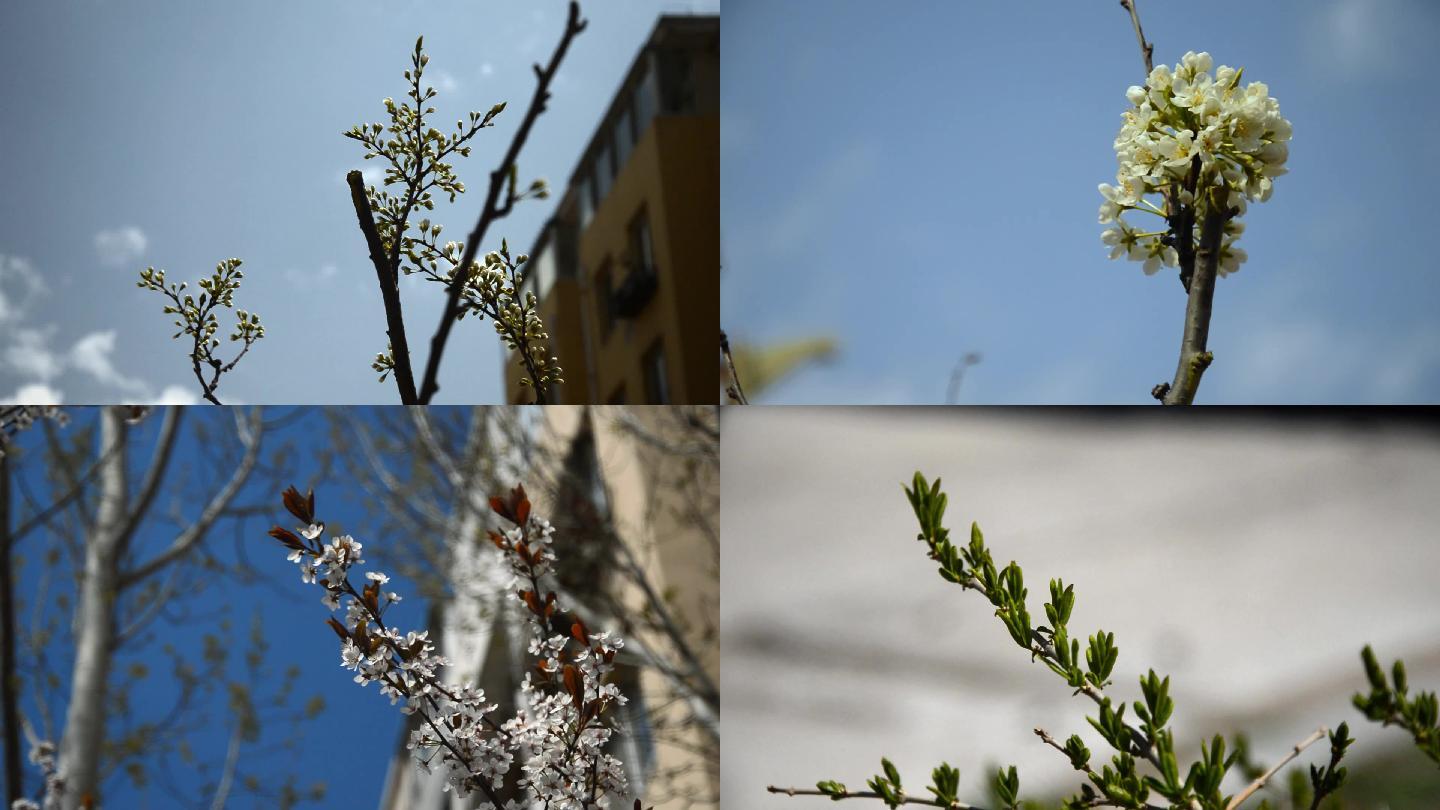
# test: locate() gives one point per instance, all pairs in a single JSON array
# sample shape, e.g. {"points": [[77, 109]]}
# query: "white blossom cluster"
{"points": [[1184, 120], [16, 418], [558, 732], [42, 755]]}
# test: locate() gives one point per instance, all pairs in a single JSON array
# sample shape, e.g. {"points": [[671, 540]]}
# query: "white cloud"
{"points": [[19, 284], [372, 174], [29, 353], [91, 354], [176, 395], [120, 246], [444, 81], [34, 394], [306, 278], [487, 69]]}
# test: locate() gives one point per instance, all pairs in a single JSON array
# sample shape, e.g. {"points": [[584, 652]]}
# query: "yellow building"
{"points": [[627, 270]]}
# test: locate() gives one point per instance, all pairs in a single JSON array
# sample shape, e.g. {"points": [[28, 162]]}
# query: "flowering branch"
{"points": [[1205, 145], [559, 729], [503, 177], [417, 155], [1119, 783], [196, 318]]}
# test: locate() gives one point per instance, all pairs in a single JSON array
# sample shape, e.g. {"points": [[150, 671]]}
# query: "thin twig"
{"points": [[389, 289], [734, 390], [1147, 49], [865, 794], [494, 209], [227, 776], [1240, 797]]}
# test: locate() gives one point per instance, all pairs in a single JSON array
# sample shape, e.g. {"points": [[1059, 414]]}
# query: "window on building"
{"points": [[586, 190], [605, 300], [604, 171], [623, 135], [540, 272], [646, 100], [677, 82], [642, 251], [657, 383]]}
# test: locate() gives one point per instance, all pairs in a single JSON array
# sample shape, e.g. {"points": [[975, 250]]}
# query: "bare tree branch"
{"points": [[734, 390], [1194, 358], [150, 486], [1147, 49], [389, 279], [1268, 775], [494, 209], [250, 431]]}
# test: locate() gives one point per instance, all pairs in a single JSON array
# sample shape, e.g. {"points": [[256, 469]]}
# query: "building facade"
{"points": [[627, 270]]}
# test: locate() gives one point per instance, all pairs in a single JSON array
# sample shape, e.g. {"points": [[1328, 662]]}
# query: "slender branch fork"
{"points": [[387, 267], [494, 209], [1264, 778], [1147, 49], [734, 390]]}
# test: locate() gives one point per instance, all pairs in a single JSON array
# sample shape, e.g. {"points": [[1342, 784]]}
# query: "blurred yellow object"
{"points": [[762, 366]]}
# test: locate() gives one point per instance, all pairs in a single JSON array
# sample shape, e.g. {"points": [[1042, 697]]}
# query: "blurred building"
{"points": [[644, 478], [627, 270]]}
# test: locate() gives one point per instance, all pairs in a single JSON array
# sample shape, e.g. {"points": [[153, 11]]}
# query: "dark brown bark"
{"points": [[388, 276]]}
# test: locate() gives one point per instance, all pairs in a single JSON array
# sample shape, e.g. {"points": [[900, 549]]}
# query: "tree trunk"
{"points": [[95, 622], [9, 681]]}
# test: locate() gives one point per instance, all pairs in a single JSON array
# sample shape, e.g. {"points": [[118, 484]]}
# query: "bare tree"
{"points": [[102, 501]]}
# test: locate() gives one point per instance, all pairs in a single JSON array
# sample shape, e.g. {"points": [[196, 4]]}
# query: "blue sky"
{"points": [[177, 135], [350, 743], [919, 181]]}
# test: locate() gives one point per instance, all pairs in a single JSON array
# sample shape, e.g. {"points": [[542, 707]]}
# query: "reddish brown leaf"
{"points": [[498, 539], [575, 684], [499, 507], [580, 632], [338, 628], [533, 602], [302, 508], [287, 537], [549, 604], [522, 509]]}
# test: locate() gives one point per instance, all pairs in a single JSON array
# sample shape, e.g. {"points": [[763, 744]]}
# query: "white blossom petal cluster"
{"points": [[1200, 141], [42, 755], [558, 733], [15, 418]]}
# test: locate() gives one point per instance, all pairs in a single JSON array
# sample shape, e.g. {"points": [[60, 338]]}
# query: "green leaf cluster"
{"points": [[1389, 703]]}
